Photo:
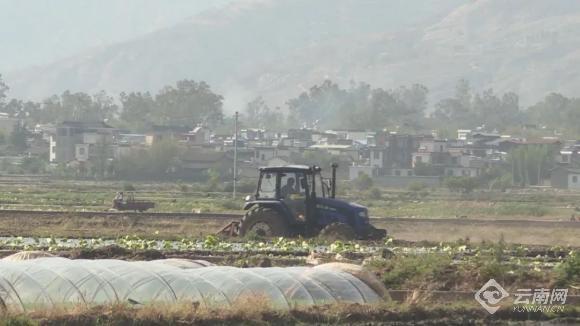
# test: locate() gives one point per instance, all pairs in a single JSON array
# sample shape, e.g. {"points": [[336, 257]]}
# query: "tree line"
{"points": [[186, 103], [406, 109], [323, 106]]}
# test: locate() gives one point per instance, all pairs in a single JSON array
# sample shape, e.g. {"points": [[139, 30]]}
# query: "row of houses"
{"points": [[381, 154]]}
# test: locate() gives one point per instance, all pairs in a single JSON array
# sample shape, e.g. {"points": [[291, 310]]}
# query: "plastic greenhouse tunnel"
{"points": [[52, 282]]}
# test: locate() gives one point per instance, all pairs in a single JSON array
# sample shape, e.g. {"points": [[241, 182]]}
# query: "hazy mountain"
{"points": [[277, 48], [41, 31]]}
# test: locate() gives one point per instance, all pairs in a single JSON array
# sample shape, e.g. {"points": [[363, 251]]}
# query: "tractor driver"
{"points": [[288, 189], [118, 198]]}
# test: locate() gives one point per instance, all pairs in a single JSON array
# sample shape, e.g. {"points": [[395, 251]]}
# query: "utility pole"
{"points": [[235, 153]]}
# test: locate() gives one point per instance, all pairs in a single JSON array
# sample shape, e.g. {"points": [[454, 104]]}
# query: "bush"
{"points": [[461, 184], [522, 209], [492, 269], [416, 186], [363, 181], [414, 271], [33, 165], [424, 169], [502, 183], [569, 271], [128, 187], [247, 186], [375, 193], [213, 179], [231, 205]]}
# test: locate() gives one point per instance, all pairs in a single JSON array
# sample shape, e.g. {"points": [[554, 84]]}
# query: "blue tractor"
{"points": [[296, 200]]}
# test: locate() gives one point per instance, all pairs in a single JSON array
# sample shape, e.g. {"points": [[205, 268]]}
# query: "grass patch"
{"points": [[568, 272], [255, 312], [414, 272]]}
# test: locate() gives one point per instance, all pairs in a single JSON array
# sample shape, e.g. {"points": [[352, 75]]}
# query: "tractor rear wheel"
{"points": [[264, 222], [338, 231]]}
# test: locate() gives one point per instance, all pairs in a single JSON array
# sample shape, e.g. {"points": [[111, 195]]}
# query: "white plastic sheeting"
{"points": [[51, 282]]}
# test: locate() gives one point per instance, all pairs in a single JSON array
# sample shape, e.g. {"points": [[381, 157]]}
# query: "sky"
{"points": [[36, 32]]}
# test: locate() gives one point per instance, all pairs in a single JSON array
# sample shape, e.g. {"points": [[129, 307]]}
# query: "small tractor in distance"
{"points": [[296, 200], [127, 202]]}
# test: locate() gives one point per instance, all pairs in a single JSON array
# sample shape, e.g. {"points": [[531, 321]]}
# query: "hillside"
{"points": [[277, 48], [42, 31]]}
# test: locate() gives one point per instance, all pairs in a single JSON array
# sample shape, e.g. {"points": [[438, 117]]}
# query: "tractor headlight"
{"points": [[362, 214]]}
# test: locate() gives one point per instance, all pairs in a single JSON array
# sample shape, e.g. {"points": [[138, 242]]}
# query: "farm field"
{"points": [[47, 194], [431, 284], [172, 226], [441, 248], [403, 213]]}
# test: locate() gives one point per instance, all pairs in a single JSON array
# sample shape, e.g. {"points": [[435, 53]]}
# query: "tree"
{"points": [[557, 112], [76, 106], [103, 153], [259, 115], [496, 113], [104, 105], [3, 91], [318, 106], [137, 109], [469, 110], [457, 110], [155, 162], [18, 138], [359, 107], [411, 105], [530, 164], [22, 110], [188, 103]]}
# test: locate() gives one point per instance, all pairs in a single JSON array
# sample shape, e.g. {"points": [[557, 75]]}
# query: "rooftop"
{"points": [[85, 124], [286, 168]]}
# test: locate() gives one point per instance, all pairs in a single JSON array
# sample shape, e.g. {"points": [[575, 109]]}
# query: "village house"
{"points": [[338, 150], [565, 178], [197, 161], [81, 141], [506, 145], [362, 137], [432, 152], [160, 133], [199, 136], [392, 151], [569, 155]]}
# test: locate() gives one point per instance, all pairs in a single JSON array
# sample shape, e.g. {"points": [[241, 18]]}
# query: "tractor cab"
{"points": [[296, 200], [296, 187]]}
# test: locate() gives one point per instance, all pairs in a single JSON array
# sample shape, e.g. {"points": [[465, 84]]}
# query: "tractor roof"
{"points": [[287, 168]]}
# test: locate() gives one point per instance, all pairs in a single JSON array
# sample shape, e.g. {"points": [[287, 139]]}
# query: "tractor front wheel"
{"points": [[263, 222], [338, 231]]}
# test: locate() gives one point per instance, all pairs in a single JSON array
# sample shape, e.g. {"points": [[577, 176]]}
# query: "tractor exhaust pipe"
{"points": [[333, 185]]}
